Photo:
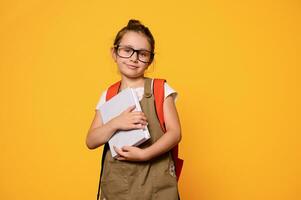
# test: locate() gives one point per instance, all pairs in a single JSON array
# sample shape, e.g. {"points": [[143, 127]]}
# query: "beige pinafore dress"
{"points": [[149, 180]]}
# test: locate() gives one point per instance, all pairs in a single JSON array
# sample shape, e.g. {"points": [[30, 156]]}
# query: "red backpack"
{"points": [[158, 88]]}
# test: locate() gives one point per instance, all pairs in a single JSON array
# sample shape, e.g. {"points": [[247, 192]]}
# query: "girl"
{"points": [[147, 171]]}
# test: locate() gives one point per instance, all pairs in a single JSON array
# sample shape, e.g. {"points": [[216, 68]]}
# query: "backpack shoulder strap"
{"points": [[159, 100], [113, 90]]}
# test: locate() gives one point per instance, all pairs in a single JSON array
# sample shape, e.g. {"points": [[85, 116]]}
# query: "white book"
{"points": [[113, 108]]}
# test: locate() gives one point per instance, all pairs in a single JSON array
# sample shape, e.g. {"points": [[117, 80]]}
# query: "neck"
{"points": [[131, 82]]}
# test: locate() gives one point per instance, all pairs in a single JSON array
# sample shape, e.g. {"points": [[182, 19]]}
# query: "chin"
{"points": [[136, 76], [131, 73]]}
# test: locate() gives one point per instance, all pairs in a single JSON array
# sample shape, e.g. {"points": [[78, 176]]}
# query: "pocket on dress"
{"points": [[114, 189], [114, 184]]}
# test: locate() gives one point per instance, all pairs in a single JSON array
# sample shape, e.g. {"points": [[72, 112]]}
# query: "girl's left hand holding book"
{"points": [[131, 153]]}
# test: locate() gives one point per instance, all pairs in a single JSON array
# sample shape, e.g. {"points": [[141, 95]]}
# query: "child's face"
{"points": [[132, 67]]}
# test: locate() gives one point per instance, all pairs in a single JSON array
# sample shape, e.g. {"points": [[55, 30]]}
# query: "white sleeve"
{"points": [[170, 91], [102, 100]]}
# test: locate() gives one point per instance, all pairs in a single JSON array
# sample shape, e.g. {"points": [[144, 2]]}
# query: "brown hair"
{"points": [[136, 26]]}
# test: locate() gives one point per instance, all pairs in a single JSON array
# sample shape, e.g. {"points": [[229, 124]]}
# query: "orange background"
{"points": [[234, 64]]}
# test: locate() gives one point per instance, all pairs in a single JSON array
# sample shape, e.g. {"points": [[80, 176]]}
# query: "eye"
{"points": [[127, 49], [144, 53]]}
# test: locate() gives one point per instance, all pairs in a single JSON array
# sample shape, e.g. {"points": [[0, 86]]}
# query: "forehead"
{"points": [[135, 40]]}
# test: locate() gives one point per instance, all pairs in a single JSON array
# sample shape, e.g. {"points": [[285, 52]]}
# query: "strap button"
{"points": [[147, 95]]}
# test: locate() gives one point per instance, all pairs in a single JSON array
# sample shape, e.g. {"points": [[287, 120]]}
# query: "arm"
{"points": [[100, 133], [164, 144], [173, 130]]}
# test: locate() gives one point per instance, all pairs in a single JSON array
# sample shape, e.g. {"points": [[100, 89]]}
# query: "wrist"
{"points": [[113, 125], [147, 154]]}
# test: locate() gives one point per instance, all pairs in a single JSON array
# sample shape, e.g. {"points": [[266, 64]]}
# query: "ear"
{"points": [[113, 54]]}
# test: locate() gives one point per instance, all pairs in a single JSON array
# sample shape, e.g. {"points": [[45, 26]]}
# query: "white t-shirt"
{"points": [[140, 91]]}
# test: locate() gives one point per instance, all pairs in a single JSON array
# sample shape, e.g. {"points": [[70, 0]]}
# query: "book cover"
{"points": [[113, 108]]}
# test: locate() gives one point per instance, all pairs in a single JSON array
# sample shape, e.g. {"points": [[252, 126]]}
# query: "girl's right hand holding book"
{"points": [[100, 133], [130, 119]]}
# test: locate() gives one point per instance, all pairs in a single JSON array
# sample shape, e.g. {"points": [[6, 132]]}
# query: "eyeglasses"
{"points": [[144, 56]]}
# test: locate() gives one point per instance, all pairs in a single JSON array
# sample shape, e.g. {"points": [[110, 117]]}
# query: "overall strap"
{"points": [[111, 92], [148, 88], [159, 100]]}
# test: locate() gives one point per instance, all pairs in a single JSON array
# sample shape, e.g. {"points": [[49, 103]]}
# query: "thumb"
{"points": [[126, 148]]}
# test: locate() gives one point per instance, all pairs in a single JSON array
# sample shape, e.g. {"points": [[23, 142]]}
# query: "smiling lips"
{"points": [[132, 66]]}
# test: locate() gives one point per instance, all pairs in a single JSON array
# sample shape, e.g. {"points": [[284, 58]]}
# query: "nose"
{"points": [[134, 57]]}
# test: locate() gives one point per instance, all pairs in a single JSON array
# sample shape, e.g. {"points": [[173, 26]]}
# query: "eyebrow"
{"points": [[133, 47]]}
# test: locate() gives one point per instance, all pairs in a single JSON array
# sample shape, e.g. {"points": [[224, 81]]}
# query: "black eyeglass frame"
{"points": [[152, 54]]}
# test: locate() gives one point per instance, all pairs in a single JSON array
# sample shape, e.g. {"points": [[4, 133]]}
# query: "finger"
{"points": [[140, 118], [139, 113], [139, 121], [142, 122], [143, 117], [121, 158], [126, 148], [138, 126], [119, 151]]}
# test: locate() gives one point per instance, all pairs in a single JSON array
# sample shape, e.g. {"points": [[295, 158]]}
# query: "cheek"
{"points": [[146, 65], [120, 61]]}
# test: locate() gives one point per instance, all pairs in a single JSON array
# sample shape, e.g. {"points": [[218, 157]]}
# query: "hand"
{"points": [[131, 153], [130, 119]]}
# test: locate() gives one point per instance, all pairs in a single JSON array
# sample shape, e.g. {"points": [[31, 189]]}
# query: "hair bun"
{"points": [[133, 22]]}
